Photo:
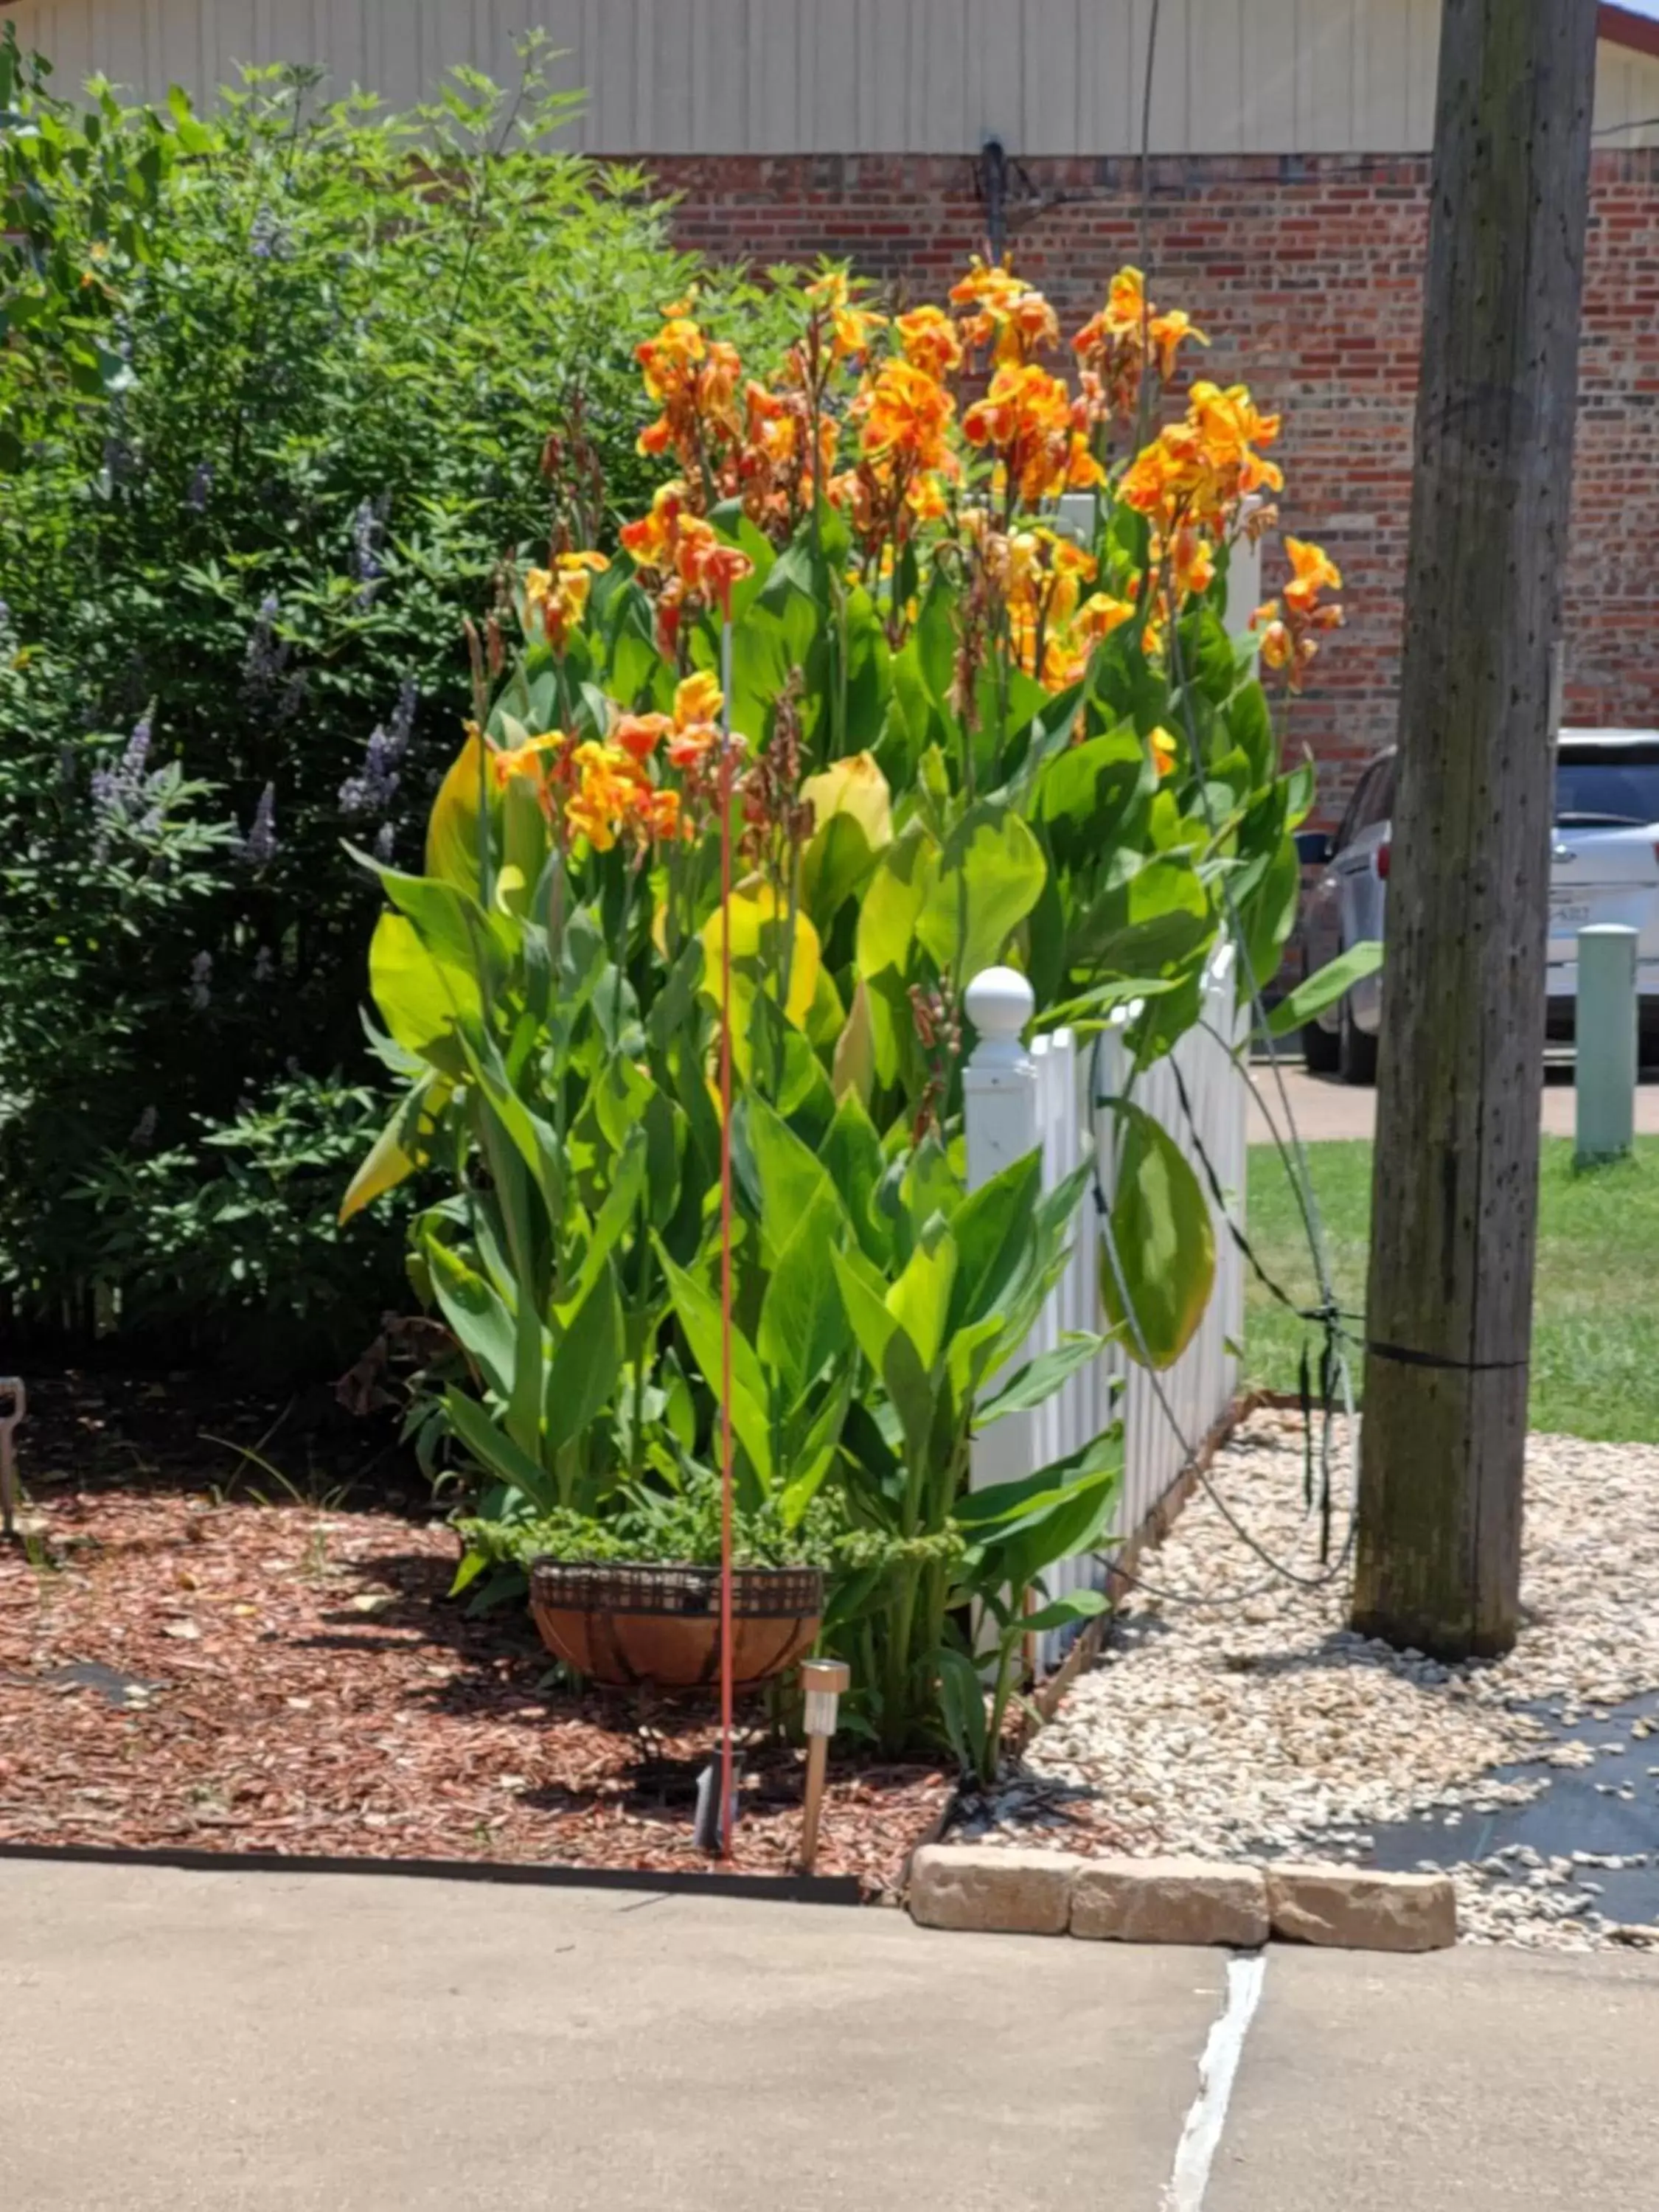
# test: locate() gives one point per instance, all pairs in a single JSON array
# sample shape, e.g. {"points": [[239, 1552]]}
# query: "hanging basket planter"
{"points": [[626, 1627]]}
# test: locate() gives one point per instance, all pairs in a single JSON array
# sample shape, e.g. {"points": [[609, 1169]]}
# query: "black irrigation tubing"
{"points": [[1319, 1313], [1334, 1367], [1279, 1570]]}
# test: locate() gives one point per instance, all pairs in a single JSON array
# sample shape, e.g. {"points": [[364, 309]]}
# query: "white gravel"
{"points": [[1260, 1726]]}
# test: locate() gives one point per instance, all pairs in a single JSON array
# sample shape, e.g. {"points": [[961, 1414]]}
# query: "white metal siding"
{"points": [[845, 77]]}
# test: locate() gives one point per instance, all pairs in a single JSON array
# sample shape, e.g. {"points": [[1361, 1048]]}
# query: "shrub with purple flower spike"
{"points": [[367, 566], [316, 350], [266, 656], [258, 847], [373, 789]]}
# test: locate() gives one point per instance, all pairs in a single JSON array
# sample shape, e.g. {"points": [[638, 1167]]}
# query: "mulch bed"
{"points": [[182, 1670]]}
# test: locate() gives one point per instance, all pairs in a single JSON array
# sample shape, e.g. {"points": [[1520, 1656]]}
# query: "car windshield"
{"points": [[1604, 789]]}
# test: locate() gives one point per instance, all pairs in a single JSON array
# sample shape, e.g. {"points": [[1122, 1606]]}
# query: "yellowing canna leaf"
{"points": [[420, 997], [763, 946], [401, 1148], [857, 786], [854, 1069], [451, 832]]}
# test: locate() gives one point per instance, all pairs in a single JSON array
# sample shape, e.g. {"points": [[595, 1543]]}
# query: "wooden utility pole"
{"points": [[1448, 1309]]}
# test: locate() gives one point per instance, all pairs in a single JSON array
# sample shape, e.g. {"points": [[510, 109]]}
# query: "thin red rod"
{"points": [[727, 1819]]}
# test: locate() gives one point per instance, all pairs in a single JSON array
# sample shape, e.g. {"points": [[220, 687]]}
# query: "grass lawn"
{"points": [[1595, 1330]]}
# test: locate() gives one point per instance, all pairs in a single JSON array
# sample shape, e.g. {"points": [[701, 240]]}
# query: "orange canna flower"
{"points": [[1313, 571], [1168, 332], [906, 416], [557, 597], [1276, 646], [1101, 614], [694, 380], [720, 570], [650, 539], [927, 499], [1288, 629], [698, 698], [929, 340], [677, 347], [1192, 561], [610, 795], [670, 609], [852, 327], [687, 748], [508, 761], [660, 815], [1231, 427], [1199, 469], [717, 382], [1013, 320], [639, 735], [1164, 751], [1114, 346], [1027, 420]]}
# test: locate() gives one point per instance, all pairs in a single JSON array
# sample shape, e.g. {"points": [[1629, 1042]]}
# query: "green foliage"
{"points": [[242, 1226], [268, 459], [905, 802], [80, 193]]}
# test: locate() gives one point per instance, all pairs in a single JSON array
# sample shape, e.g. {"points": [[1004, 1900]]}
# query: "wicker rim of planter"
{"points": [[758, 1593]]}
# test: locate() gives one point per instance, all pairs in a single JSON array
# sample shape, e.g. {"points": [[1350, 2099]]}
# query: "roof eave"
{"points": [[1623, 26]]}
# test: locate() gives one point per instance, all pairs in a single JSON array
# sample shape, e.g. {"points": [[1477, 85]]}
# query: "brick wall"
{"points": [[1307, 272]]}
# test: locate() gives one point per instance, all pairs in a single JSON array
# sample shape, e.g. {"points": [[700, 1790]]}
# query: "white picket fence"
{"points": [[1016, 1099]]}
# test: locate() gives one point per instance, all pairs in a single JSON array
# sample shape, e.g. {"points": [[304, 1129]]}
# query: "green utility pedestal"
{"points": [[1606, 1030]]}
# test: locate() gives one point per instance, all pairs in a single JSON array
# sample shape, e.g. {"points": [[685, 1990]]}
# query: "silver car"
{"points": [[1605, 868]]}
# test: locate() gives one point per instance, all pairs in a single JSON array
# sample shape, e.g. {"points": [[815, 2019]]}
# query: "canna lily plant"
{"points": [[937, 631]]}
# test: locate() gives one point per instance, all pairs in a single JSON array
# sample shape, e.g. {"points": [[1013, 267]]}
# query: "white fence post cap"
{"points": [[1000, 1003]]}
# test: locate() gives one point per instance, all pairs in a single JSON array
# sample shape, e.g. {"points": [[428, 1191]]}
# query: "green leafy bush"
{"points": [[235, 564]]}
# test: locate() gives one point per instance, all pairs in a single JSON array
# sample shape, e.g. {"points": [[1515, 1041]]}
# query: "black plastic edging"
{"points": [[784, 1889]]}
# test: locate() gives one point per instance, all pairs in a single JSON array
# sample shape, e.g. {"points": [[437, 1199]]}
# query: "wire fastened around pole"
{"points": [[727, 1817]]}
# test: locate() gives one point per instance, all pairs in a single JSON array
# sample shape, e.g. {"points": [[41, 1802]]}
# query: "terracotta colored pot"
{"points": [[624, 1627]]}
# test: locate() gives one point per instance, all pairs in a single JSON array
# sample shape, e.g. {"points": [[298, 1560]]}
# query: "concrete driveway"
{"points": [[256, 2043], [1325, 1108]]}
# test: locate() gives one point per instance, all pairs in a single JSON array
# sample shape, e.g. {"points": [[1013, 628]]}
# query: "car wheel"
{"points": [[1356, 1052], [1319, 1049]]}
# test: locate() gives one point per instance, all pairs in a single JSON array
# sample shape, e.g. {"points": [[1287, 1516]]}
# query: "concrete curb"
{"points": [[976, 1886]]}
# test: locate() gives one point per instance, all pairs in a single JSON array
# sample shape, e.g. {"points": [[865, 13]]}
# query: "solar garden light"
{"points": [[824, 1681], [12, 1389]]}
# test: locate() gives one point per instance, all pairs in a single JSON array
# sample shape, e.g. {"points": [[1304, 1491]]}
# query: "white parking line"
{"points": [[1201, 2136]]}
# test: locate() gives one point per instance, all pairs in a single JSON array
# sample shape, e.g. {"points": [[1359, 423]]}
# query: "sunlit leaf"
{"points": [[1164, 1241]]}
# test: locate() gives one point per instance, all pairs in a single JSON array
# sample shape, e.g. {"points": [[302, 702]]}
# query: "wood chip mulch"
{"points": [[176, 1672]]}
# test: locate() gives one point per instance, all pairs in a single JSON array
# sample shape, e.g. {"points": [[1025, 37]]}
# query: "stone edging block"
{"points": [[1026, 1893], [1361, 1909], [1178, 1900], [1170, 1901]]}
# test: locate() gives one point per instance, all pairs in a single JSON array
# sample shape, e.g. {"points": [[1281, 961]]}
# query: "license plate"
{"points": [[1564, 918]]}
